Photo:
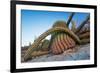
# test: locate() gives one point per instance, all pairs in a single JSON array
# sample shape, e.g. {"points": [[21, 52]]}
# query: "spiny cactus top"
{"points": [[59, 24]]}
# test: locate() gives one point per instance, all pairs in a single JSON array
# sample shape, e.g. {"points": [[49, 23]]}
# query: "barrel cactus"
{"points": [[60, 41]]}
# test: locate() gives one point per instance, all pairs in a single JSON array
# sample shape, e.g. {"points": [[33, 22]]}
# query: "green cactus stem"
{"points": [[70, 18]]}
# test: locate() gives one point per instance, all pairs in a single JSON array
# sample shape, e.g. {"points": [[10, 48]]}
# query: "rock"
{"points": [[82, 53]]}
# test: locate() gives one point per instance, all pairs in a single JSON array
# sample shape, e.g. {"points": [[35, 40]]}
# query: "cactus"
{"points": [[39, 53], [82, 24], [70, 18], [61, 41], [85, 41], [62, 38], [84, 35], [34, 46], [45, 45], [73, 27]]}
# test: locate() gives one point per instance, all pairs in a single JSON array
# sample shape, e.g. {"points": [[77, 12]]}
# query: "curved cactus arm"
{"points": [[84, 35], [84, 41], [39, 53], [82, 24], [34, 46], [70, 18], [73, 27]]}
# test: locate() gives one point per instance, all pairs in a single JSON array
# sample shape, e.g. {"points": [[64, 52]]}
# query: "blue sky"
{"points": [[34, 22]]}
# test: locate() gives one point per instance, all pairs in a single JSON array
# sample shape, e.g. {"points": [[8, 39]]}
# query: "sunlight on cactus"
{"points": [[62, 38]]}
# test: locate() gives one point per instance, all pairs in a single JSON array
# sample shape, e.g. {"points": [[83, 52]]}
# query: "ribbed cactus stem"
{"points": [[85, 41], [61, 41], [69, 19], [82, 24], [73, 27], [84, 35], [39, 53]]}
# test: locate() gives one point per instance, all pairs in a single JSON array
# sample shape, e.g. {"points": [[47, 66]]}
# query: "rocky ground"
{"points": [[81, 53]]}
